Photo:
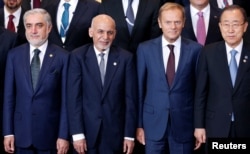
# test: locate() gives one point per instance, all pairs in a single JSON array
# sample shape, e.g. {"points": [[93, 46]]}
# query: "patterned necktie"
{"points": [[35, 67], [11, 25], [233, 66], [36, 4], [65, 20], [225, 3], [171, 65], [130, 16], [102, 67], [200, 29]]}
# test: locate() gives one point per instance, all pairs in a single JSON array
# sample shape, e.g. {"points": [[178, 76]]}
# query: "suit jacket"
{"points": [[243, 3], [157, 101], [36, 117], [145, 26], [21, 29], [213, 33], [110, 109], [247, 33], [77, 34], [216, 98], [27, 4], [8, 40]]}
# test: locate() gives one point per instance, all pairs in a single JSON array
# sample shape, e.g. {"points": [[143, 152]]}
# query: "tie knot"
{"points": [[11, 17], [101, 54], [200, 14], [171, 47], [233, 52], [66, 6], [37, 52], [130, 2]]}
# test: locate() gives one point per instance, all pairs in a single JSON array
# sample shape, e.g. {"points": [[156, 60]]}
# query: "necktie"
{"points": [[233, 66], [102, 67], [11, 25], [36, 4], [170, 65], [65, 20], [130, 16], [35, 67], [200, 29], [225, 3]]}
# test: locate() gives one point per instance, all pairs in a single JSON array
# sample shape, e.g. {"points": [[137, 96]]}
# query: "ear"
{"points": [[90, 32], [159, 22]]}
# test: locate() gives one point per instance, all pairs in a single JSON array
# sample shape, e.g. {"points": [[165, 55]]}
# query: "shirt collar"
{"points": [[238, 48], [176, 43], [17, 13], [97, 52], [42, 48], [194, 11]]}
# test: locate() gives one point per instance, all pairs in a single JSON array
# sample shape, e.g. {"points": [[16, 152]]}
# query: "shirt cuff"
{"points": [[129, 138], [77, 137]]}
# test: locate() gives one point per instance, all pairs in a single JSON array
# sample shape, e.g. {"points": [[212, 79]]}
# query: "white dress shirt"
{"points": [[135, 5], [42, 49], [17, 15], [222, 5], [195, 17], [237, 56], [166, 51]]}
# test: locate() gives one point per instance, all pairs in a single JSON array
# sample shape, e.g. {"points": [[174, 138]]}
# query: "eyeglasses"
{"points": [[227, 26]]}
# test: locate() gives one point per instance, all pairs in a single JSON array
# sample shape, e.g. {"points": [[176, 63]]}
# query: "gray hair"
{"points": [[43, 12]]}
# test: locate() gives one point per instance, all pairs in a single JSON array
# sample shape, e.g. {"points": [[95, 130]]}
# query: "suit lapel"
{"points": [[112, 65], [243, 65], [26, 62], [93, 68], [189, 25], [49, 56], [213, 25]]}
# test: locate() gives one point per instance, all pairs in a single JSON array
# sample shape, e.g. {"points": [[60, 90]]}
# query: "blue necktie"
{"points": [[233, 66], [65, 20], [130, 16], [102, 67], [35, 67]]}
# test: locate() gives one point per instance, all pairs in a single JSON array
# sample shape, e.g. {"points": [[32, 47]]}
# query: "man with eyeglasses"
{"points": [[222, 98], [166, 69]]}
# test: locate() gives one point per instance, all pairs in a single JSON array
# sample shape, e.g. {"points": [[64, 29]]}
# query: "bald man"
{"points": [[102, 93]]}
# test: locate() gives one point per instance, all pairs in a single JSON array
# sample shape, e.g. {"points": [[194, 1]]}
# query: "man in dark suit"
{"points": [[14, 8], [211, 19], [34, 110], [145, 21], [102, 99], [221, 4], [8, 41], [28, 4], [81, 13], [166, 69], [223, 83]]}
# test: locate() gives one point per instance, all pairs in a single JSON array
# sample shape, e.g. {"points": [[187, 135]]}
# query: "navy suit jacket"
{"points": [[213, 33], [78, 31], [27, 3], [157, 101], [216, 98], [21, 29], [36, 117], [110, 109], [145, 26]]}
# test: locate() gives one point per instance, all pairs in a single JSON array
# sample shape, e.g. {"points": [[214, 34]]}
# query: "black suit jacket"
{"points": [[77, 34], [145, 26], [216, 98], [243, 3], [213, 33], [21, 29], [26, 4]]}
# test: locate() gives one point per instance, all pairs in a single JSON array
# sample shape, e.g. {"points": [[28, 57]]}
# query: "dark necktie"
{"points": [[65, 20], [233, 66], [225, 3], [201, 30], [102, 67], [130, 16], [170, 65], [36, 4], [11, 25], [35, 67]]}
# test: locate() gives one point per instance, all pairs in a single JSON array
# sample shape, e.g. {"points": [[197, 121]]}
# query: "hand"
{"points": [[9, 144], [80, 146], [62, 146], [140, 136], [200, 135], [128, 146]]}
